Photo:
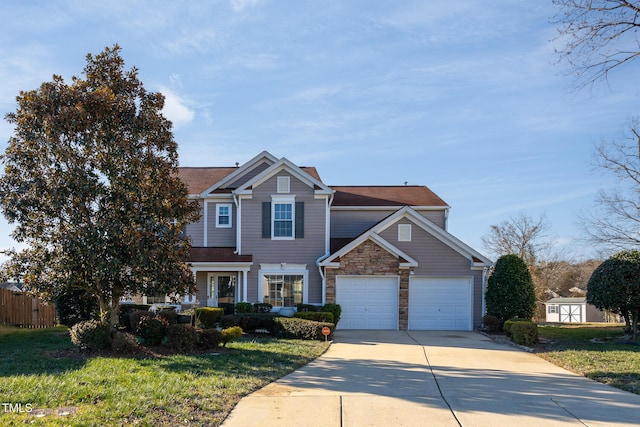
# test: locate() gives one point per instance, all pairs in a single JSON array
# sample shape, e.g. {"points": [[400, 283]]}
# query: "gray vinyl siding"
{"points": [[201, 285], [195, 230], [437, 217], [351, 223], [437, 259], [220, 237], [248, 175], [304, 250]]}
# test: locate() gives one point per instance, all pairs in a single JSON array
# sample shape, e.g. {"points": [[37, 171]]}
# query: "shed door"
{"points": [[570, 313], [442, 303], [369, 302]]}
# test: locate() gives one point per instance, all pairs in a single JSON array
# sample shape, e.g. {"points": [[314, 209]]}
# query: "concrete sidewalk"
{"points": [[418, 378]]}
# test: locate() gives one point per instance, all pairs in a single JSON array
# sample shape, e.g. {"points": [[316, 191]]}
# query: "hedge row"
{"points": [[521, 331], [292, 327], [318, 316]]}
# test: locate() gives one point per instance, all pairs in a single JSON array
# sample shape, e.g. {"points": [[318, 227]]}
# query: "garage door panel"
{"points": [[440, 303], [367, 302]]}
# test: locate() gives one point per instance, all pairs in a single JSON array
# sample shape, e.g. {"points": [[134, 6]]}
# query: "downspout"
{"points": [[484, 290], [485, 277], [446, 219], [323, 277]]}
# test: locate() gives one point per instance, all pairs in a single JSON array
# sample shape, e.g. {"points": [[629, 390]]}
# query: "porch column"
{"points": [[245, 273]]}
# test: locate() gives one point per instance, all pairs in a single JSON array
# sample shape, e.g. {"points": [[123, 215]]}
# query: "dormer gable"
{"points": [[249, 169], [302, 174]]}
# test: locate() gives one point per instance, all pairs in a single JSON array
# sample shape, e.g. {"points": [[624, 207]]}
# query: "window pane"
{"points": [[282, 211], [282, 290], [224, 215], [282, 228], [283, 220]]}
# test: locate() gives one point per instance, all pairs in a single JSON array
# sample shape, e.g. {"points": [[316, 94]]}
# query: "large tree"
{"points": [[597, 36], [90, 182], [510, 291], [615, 286]]}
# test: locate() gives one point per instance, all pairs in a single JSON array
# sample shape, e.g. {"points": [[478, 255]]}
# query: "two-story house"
{"points": [[272, 231]]}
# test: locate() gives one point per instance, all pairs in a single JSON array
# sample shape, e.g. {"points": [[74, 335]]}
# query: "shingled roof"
{"points": [[400, 195], [198, 179]]}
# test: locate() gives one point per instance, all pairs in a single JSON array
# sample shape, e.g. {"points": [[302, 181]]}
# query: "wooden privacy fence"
{"points": [[20, 309]]}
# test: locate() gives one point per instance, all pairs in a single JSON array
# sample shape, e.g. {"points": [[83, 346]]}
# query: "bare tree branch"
{"points": [[519, 235], [599, 36]]}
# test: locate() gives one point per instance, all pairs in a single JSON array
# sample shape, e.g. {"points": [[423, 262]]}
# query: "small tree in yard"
{"points": [[90, 182], [510, 292], [615, 286]]}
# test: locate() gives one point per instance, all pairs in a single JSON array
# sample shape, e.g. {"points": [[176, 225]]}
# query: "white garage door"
{"points": [[367, 302], [440, 303]]}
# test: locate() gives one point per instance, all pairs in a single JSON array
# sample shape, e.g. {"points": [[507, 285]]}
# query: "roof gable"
{"points": [[445, 237], [246, 168], [306, 175]]}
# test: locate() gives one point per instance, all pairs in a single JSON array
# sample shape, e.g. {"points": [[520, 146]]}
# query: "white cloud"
{"points": [[175, 108]]}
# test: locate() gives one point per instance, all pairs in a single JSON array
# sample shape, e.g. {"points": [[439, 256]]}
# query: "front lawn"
{"points": [[40, 368], [597, 351]]}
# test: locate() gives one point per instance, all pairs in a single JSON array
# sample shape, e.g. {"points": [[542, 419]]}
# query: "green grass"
{"points": [[165, 391], [597, 351]]}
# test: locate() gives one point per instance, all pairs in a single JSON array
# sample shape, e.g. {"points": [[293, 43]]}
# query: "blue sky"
{"points": [[463, 97]]}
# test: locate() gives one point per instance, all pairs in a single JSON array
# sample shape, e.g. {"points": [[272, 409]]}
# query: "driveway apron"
{"points": [[432, 378]]}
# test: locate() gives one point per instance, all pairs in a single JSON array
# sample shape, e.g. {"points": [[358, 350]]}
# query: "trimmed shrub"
{"points": [[524, 333], [249, 322], [208, 339], [229, 308], [209, 316], [169, 315], [244, 307], [152, 329], [182, 338], [262, 307], [318, 316], [335, 309], [185, 319], [135, 316], [91, 335], [509, 323], [231, 334], [293, 327], [302, 308], [492, 323], [230, 320], [125, 343], [73, 306], [125, 314], [510, 291]]}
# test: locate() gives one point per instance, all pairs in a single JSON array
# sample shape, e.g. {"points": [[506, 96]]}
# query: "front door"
{"points": [[221, 291]]}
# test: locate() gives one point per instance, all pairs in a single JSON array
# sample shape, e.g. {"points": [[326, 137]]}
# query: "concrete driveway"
{"points": [[432, 378]]}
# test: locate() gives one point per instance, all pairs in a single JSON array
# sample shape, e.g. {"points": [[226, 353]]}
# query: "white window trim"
{"points": [[224, 205], [284, 184], [285, 269], [283, 200], [553, 309], [404, 232]]}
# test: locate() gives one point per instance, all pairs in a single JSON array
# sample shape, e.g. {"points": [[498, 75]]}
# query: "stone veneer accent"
{"points": [[369, 259]]}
